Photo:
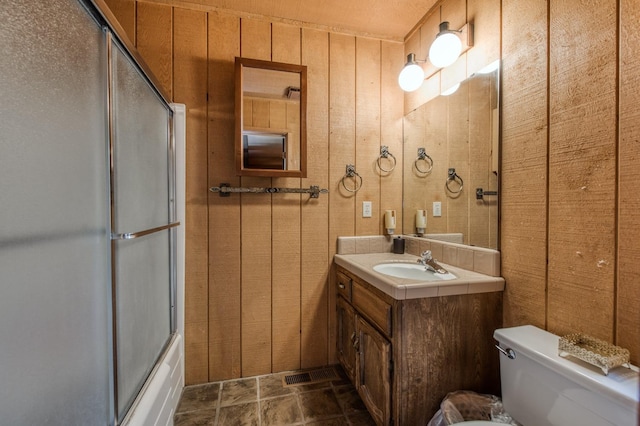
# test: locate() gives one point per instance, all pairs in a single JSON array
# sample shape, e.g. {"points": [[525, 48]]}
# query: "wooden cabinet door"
{"points": [[373, 371], [347, 336]]}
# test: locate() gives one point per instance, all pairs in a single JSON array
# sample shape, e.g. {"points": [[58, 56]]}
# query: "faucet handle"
{"points": [[426, 255]]}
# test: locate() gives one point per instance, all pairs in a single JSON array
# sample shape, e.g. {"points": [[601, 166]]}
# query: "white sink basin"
{"points": [[412, 271]]}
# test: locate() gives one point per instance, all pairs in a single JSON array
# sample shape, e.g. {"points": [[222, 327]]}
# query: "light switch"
{"points": [[366, 209], [437, 209]]}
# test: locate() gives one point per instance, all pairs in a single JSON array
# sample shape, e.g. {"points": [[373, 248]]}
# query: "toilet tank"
{"points": [[540, 388]]}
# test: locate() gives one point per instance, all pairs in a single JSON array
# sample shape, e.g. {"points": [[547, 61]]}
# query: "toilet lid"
{"points": [[477, 423]]}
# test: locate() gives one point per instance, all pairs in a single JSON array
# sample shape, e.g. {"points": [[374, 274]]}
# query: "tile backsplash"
{"points": [[477, 259]]}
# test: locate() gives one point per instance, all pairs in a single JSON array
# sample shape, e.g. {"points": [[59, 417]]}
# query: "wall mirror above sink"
{"points": [[270, 110], [458, 132]]}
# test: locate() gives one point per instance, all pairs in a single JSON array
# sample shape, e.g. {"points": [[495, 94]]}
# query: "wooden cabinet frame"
{"points": [[411, 353]]}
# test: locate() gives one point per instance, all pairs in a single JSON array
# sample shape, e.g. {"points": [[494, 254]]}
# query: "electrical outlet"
{"points": [[437, 209], [366, 209]]}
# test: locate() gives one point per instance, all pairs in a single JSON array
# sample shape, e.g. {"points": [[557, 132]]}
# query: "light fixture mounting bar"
{"points": [[466, 35]]}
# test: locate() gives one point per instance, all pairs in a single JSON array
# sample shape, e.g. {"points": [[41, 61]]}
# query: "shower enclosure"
{"points": [[88, 218]]}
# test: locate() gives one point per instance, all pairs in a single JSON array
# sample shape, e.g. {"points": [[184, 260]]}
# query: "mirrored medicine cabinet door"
{"points": [[270, 110]]}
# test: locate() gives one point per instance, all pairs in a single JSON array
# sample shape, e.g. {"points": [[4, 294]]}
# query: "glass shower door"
{"points": [[142, 225], [54, 236]]}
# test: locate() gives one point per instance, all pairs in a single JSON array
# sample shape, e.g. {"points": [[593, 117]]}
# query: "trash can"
{"points": [[461, 406]]}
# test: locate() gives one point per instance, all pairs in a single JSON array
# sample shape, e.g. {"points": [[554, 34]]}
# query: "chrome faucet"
{"points": [[430, 263]]}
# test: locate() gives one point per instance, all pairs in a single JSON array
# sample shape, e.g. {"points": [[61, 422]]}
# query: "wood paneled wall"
{"points": [[570, 156], [456, 131], [258, 266], [485, 17]]}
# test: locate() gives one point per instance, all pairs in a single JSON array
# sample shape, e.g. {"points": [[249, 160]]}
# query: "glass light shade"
{"points": [[451, 90], [490, 68], [446, 48], [411, 77]]}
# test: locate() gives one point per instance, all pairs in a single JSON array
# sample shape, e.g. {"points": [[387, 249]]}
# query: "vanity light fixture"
{"points": [[444, 51], [412, 75], [446, 48]]}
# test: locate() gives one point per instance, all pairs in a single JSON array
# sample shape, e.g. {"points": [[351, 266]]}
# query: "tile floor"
{"points": [[264, 401]]}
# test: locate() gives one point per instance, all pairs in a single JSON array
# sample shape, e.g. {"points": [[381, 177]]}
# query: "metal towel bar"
{"points": [[225, 190]]}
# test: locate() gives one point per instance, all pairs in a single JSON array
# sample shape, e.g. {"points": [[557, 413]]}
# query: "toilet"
{"points": [[540, 388]]}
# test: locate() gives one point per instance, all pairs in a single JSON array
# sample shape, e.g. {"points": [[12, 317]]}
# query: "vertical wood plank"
{"points": [[247, 111], [277, 116], [431, 87], [260, 110], [457, 208], [628, 289], [414, 190], [293, 122], [190, 88], [411, 45], [453, 74], [315, 260], [256, 237], [480, 175], [224, 212], [342, 151], [154, 41], [437, 146], [582, 160], [524, 162], [367, 127], [391, 112], [256, 39], [285, 326], [485, 15], [125, 13], [454, 11], [426, 127]]}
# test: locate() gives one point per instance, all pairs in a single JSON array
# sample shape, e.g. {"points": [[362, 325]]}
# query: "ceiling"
{"points": [[385, 19]]}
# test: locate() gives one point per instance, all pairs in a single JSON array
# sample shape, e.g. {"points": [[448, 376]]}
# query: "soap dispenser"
{"points": [[421, 222], [390, 221]]}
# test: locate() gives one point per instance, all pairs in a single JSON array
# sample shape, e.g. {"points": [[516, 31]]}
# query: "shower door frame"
{"points": [[114, 34]]}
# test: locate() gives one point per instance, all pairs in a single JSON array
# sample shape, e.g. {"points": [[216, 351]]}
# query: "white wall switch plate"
{"points": [[437, 209], [366, 209]]}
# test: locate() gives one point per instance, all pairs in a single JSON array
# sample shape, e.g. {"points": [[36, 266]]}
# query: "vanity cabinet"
{"points": [[404, 356], [365, 355], [346, 317], [373, 370]]}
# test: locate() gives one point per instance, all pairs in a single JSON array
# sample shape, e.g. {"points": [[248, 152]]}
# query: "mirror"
{"points": [[461, 132], [271, 111]]}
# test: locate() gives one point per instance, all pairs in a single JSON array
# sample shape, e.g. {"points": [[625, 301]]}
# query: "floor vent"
{"points": [[310, 377]]}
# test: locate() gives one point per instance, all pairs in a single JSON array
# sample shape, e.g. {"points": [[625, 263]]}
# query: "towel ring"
{"points": [[453, 177], [351, 172], [423, 156], [384, 153]]}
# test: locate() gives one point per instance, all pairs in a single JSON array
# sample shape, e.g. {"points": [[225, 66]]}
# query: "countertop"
{"points": [[467, 282]]}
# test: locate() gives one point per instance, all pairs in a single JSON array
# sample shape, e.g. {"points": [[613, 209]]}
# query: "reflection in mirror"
{"points": [[270, 118], [457, 131]]}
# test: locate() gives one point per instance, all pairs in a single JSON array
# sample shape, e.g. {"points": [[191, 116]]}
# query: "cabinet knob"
{"points": [[341, 285]]}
